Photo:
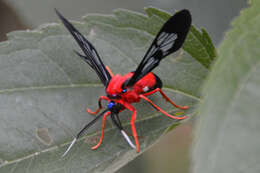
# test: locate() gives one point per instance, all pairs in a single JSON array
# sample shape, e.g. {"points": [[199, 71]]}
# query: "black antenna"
{"points": [[84, 129]]}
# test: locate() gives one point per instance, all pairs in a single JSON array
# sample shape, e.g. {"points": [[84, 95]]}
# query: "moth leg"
{"points": [[166, 98], [109, 71], [133, 118], [161, 110], [81, 132], [117, 123], [99, 105], [102, 133]]}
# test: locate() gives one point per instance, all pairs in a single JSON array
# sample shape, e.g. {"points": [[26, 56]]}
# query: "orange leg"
{"points": [[162, 111], [133, 118], [134, 130], [109, 71], [166, 98], [99, 105], [102, 133]]}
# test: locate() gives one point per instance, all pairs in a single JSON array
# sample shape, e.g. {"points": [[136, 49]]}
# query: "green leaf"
{"points": [[45, 88], [202, 48], [228, 137]]}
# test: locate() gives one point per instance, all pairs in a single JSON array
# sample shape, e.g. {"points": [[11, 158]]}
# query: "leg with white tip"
{"points": [[117, 123]]}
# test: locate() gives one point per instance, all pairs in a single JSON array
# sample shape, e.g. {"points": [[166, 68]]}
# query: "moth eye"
{"points": [[124, 90]]}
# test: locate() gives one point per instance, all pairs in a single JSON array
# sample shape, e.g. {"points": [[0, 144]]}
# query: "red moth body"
{"points": [[114, 88]]}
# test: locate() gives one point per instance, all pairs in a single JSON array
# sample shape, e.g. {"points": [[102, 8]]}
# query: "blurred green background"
{"points": [[172, 153]]}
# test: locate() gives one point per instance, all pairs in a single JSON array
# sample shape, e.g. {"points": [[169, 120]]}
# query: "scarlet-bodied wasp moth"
{"points": [[121, 91]]}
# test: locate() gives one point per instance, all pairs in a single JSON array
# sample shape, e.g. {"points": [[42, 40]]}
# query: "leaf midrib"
{"points": [[3, 91]]}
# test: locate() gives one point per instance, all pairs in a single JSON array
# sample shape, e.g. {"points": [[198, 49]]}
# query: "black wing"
{"points": [[92, 57], [169, 39]]}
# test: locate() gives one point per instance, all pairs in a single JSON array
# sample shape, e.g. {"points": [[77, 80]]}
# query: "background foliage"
{"points": [[228, 137]]}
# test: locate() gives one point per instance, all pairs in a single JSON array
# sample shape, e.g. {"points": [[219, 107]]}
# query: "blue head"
{"points": [[110, 105]]}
